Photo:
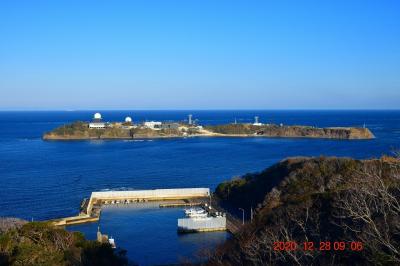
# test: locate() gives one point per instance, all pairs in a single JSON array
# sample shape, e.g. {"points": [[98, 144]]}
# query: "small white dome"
{"points": [[97, 116], [128, 119]]}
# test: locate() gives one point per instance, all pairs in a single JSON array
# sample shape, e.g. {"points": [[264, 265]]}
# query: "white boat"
{"points": [[112, 242], [196, 213]]}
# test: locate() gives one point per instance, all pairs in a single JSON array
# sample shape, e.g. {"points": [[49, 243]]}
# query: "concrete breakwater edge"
{"points": [[90, 210]]}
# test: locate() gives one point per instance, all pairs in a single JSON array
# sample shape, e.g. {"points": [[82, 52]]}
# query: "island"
{"points": [[97, 129]]}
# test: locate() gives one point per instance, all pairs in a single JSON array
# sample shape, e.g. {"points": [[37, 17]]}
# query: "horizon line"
{"points": [[205, 109]]}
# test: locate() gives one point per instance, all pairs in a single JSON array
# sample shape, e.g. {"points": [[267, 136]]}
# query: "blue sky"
{"points": [[199, 54]]}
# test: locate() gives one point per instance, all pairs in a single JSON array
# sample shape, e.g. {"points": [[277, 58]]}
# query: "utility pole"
{"points": [[242, 215], [190, 119]]}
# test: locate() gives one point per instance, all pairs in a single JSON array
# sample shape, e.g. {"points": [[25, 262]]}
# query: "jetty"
{"points": [[90, 209], [208, 223], [174, 197]]}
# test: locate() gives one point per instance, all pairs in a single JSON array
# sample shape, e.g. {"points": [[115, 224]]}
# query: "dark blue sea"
{"points": [[41, 180]]}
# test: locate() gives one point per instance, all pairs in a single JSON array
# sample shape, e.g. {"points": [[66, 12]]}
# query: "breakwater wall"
{"points": [[104, 197], [91, 208]]}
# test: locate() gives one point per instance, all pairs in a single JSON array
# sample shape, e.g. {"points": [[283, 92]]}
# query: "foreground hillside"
{"points": [[38, 243], [317, 201]]}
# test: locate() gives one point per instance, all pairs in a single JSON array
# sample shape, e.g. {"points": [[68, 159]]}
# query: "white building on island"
{"points": [[153, 124], [256, 122], [97, 121], [128, 124]]}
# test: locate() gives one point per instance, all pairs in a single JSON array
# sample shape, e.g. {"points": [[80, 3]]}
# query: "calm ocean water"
{"points": [[47, 179]]}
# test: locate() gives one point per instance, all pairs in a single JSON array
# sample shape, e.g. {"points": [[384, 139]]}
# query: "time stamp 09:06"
{"points": [[321, 246]]}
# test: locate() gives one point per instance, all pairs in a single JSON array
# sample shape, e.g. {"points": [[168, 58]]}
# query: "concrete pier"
{"points": [[80, 219], [91, 208], [104, 197], [208, 224], [179, 204]]}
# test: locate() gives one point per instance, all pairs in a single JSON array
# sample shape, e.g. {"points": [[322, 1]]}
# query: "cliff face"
{"points": [[361, 133], [272, 130], [316, 200]]}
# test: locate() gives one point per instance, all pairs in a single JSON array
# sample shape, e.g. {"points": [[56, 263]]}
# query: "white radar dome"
{"points": [[97, 116], [128, 119]]}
